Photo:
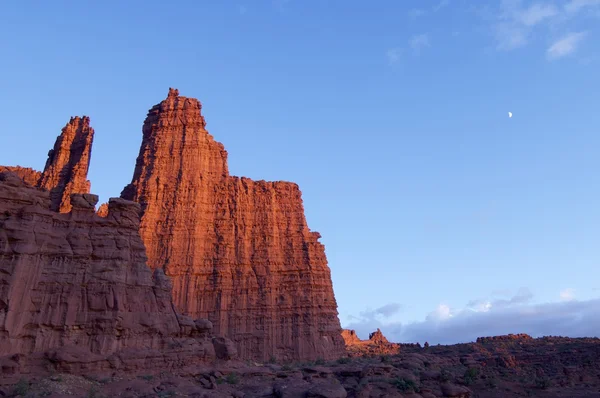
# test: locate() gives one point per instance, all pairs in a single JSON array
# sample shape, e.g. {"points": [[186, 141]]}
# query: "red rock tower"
{"points": [[239, 252], [68, 164]]}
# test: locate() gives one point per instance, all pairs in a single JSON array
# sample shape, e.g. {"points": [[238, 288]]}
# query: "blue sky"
{"points": [[443, 218]]}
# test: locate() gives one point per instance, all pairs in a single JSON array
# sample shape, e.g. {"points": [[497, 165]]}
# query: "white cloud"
{"points": [[280, 4], [510, 37], [486, 317], [416, 13], [575, 6], [536, 13], [418, 42], [393, 55], [567, 294], [565, 46], [515, 22], [440, 5], [442, 312], [388, 309]]}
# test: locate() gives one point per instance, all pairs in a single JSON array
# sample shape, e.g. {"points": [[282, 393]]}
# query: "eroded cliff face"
{"points": [[68, 164], [76, 293], [239, 252]]}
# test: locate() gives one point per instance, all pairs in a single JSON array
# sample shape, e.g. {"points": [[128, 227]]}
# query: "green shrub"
{"points": [[93, 392], [21, 388], [445, 375], [343, 360], [232, 378], [406, 385], [491, 383], [320, 361], [542, 383], [471, 375]]}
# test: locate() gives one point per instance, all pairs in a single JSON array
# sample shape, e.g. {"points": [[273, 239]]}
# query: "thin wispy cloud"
{"points": [[575, 6], [565, 46], [516, 22], [536, 13], [418, 42], [440, 5], [416, 13], [280, 5], [393, 55], [567, 294]]}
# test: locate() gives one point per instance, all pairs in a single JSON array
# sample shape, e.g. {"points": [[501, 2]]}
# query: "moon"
{"points": [[509, 114]]}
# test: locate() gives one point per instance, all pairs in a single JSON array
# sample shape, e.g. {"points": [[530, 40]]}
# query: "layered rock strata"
{"points": [[76, 293], [239, 252]]}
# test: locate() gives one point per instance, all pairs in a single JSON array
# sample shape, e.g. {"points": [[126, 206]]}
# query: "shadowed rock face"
{"points": [[68, 163], [28, 175], [75, 289], [239, 252]]}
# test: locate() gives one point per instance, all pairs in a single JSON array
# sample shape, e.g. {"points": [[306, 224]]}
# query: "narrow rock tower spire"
{"points": [[68, 164]]}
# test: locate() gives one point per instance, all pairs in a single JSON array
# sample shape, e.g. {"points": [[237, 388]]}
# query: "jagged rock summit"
{"points": [[68, 164], [239, 252]]}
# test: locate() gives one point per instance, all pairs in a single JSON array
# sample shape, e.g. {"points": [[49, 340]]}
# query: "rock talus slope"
{"points": [[239, 252], [76, 293]]}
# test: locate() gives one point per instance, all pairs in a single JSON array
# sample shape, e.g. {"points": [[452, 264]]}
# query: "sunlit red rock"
{"points": [[239, 252]]}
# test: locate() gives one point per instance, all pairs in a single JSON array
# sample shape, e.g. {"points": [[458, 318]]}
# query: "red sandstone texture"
{"points": [[239, 252], [103, 210], [28, 175], [68, 163], [76, 293]]}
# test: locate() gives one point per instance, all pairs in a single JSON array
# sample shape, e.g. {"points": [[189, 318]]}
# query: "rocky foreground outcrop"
{"points": [[76, 294], [239, 252], [548, 367]]}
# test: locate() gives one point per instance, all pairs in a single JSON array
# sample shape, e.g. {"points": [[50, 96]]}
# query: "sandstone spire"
{"points": [[68, 163], [239, 252]]}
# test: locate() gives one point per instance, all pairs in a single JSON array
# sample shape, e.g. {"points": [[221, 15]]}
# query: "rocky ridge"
{"points": [[76, 294], [552, 367]]}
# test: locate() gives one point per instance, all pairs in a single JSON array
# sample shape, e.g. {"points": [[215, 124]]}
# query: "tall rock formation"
{"points": [[68, 163], [239, 252], [77, 295]]}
